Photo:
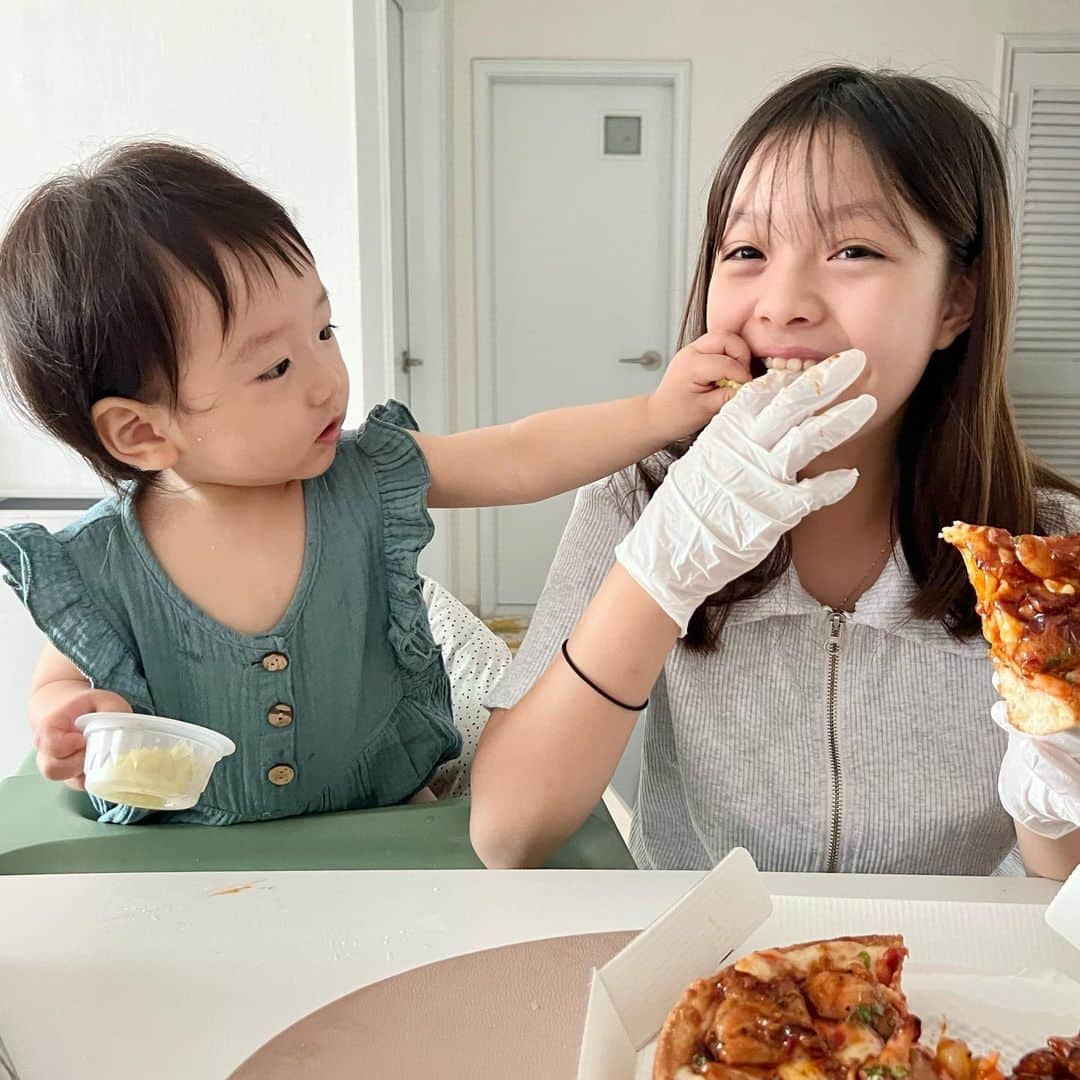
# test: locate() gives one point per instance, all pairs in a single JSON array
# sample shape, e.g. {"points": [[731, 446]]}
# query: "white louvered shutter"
{"points": [[1044, 373]]}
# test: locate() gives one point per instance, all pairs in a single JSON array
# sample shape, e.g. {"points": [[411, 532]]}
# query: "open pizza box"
{"points": [[1026, 995]]}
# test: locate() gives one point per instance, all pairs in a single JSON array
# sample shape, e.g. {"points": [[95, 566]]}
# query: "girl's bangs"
{"points": [[797, 146]]}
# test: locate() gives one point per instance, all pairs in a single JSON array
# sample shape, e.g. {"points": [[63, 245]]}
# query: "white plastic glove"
{"points": [[1039, 781], [724, 506]]}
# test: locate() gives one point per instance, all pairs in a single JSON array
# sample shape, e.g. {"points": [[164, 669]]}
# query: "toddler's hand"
{"points": [[688, 398], [60, 746]]}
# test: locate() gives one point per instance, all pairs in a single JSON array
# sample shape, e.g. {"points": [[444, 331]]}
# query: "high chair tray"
{"points": [[45, 828]]}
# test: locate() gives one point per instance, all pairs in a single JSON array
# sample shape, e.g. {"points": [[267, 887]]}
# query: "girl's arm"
{"points": [[552, 452], [542, 765], [1044, 857]]}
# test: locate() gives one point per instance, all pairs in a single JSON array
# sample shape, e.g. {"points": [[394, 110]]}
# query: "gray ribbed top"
{"points": [[737, 748]]}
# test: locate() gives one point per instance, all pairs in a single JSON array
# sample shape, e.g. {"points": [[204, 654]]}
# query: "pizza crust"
{"points": [[1032, 711]]}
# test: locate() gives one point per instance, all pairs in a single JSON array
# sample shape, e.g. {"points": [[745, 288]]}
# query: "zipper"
{"points": [[837, 621]]}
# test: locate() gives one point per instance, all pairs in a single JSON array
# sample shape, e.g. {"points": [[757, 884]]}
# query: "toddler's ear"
{"points": [[136, 433], [959, 308]]}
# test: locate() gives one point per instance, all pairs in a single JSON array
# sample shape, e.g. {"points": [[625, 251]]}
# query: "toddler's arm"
{"points": [[59, 694], [552, 452]]}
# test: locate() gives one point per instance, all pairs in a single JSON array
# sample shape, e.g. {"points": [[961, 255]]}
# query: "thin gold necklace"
{"points": [[879, 563]]}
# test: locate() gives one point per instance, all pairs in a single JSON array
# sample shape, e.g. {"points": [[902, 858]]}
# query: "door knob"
{"points": [[408, 362], [648, 360]]}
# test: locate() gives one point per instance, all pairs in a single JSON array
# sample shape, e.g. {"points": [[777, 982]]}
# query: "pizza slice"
{"points": [[823, 1009], [1027, 590]]}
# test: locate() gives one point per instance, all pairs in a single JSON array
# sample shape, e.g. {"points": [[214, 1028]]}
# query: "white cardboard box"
{"points": [[1063, 914], [994, 971]]}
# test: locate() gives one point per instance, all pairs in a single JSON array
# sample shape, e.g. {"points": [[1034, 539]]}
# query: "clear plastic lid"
{"points": [[222, 745]]}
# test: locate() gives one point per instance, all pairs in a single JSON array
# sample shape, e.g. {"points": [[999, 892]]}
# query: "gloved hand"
{"points": [[1039, 780], [724, 506]]}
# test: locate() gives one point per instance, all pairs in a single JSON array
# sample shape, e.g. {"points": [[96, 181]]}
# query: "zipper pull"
{"points": [[837, 621]]}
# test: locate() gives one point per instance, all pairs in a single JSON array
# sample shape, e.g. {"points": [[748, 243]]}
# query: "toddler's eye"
{"points": [[276, 371], [327, 332]]}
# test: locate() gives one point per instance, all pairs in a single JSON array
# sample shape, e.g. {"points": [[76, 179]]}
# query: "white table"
{"points": [[164, 975]]}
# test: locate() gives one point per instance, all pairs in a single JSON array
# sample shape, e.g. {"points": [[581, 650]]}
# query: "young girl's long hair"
{"points": [[959, 454]]}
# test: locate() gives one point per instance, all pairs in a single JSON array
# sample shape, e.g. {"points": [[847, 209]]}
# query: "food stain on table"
{"points": [[241, 888]]}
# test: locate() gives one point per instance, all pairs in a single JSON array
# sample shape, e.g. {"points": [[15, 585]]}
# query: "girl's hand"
{"points": [[688, 397], [724, 506], [61, 747]]}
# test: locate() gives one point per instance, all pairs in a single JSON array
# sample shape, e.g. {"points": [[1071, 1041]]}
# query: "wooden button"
{"points": [[281, 715], [280, 775], [275, 661]]}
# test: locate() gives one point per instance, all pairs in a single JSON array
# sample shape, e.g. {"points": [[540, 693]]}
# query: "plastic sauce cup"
{"points": [[152, 762]]}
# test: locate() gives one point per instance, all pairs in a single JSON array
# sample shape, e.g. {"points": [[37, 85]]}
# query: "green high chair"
{"points": [[46, 828]]}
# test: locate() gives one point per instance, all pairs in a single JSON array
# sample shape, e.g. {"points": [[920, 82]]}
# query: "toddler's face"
{"points": [[265, 404], [789, 287]]}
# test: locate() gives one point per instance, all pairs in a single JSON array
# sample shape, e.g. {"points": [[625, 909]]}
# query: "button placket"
{"points": [[277, 722]]}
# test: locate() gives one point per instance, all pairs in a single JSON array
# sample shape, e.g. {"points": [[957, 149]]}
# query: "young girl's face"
{"points": [[795, 291], [264, 404]]}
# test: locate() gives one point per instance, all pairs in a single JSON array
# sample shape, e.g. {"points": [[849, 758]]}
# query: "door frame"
{"points": [[1012, 44], [426, 100], [1009, 47], [486, 74]]}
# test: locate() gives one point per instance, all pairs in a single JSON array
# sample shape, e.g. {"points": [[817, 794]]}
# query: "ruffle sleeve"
{"points": [[48, 582], [403, 479]]}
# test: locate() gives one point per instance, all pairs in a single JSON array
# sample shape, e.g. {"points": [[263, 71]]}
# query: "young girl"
{"points": [[819, 689], [256, 572]]}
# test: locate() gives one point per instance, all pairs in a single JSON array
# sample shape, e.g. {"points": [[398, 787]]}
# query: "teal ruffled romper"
{"points": [[345, 704]]}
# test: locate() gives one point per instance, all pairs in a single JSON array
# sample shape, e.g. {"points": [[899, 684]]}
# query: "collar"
{"points": [[885, 606]]}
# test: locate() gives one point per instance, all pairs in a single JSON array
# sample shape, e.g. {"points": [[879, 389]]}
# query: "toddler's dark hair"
{"points": [[91, 281]]}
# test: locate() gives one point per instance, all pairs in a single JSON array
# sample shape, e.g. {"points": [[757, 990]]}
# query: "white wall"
{"points": [[739, 51], [288, 91], [268, 84]]}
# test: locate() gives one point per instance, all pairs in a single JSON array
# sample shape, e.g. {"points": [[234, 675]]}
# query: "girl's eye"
{"points": [[327, 332], [741, 254], [276, 371], [855, 251]]}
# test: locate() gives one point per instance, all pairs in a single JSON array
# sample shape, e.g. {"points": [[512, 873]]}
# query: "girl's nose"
{"points": [[788, 297]]}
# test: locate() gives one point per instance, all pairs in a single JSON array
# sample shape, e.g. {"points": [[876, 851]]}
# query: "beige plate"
{"points": [[516, 1011]]}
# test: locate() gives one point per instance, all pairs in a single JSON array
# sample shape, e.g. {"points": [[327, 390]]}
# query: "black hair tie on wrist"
{"points": [[588, 682]]}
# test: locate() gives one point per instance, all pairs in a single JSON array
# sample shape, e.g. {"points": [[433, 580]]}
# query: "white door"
{"points": [[1044, 373], [581, 275]]}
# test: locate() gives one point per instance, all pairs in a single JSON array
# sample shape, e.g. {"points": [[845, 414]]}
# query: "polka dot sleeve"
{"points": [[475, 660]]}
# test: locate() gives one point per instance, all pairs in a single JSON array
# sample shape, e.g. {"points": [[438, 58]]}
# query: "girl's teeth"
{"points": [[781, 363]]}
